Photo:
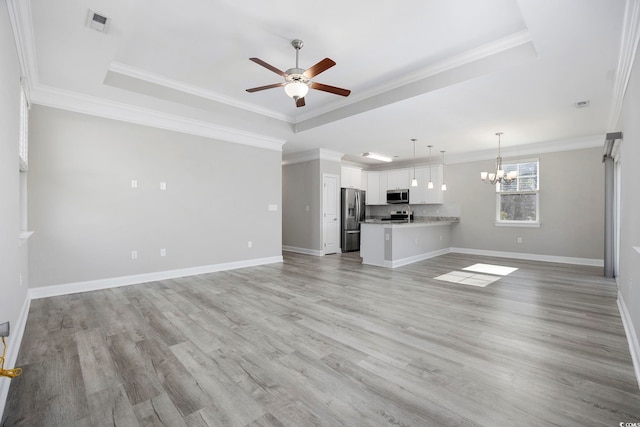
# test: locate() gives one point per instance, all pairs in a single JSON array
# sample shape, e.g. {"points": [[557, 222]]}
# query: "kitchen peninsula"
{"points": [[394, 244]]}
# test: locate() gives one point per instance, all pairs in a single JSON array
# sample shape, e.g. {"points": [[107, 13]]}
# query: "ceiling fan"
{"points": [[298, 81]]}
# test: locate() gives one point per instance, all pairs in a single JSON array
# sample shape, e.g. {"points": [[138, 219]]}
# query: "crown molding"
{"points": [[20, 18], [73, 101], [138, 74], [307, 156], [628, 48], [501, 45]]}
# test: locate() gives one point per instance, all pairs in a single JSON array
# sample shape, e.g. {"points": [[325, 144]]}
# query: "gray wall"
{"points": [[87, 218], [302, 187], [571, 207], [629, 275], [12, 251]]}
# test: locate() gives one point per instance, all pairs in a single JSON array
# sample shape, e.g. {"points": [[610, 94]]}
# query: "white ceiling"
{"points": [[450, 73]]}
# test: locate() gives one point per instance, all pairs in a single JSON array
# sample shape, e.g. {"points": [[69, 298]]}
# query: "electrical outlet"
{"points": [[4, 329], [163, 252], [249, 244], [134, 254], [134, 183], [519, 240], [163, 185]]}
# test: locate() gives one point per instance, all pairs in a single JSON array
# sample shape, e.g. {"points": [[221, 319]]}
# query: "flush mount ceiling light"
{"points": [[414, 181], [376, 156], [498, 175]]}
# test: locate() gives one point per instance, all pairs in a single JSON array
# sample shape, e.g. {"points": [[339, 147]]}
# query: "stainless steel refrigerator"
{"points": [[352, 208]]}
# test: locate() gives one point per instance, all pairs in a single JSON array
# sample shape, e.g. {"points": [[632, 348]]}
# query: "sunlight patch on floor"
{"points": [[498, 270], [474, 275], [465, 278]]}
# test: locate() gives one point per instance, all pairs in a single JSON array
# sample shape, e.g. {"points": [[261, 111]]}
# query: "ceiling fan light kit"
{"points": [[297, 81]]}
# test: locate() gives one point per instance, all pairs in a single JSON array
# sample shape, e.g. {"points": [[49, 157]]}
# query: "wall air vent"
{"points": [[581, 104], [97, 21]]}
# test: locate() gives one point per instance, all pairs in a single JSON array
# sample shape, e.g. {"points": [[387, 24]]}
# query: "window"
{"points": [[518, 201]]}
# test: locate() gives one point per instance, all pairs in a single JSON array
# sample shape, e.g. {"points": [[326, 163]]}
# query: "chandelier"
{"points": [[498, 175]]}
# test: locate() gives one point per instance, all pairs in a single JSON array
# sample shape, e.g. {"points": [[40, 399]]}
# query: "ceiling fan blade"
{"points": [[268, 66], [256, 89], [300, 102], [330, 89], [321, 66]]}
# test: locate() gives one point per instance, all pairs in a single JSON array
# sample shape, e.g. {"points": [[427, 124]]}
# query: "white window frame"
{"points": [[519, 223]]}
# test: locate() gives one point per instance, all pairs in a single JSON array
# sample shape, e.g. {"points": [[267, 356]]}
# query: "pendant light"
{"points": [[430, 184], [414, 181], [444, 186]]}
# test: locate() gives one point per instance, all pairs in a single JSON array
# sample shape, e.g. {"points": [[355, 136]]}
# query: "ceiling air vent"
{"points": [[97, 21]]}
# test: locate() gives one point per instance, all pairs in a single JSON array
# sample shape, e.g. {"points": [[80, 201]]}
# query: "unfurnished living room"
{"points": [[420, 213]]}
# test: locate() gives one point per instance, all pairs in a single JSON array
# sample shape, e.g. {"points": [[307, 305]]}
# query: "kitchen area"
{"points": [[391, 222]]}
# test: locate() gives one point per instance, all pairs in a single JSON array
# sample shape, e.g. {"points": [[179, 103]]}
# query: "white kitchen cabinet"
{"points": [[376, 194], [351, 177], [421, 195], [398, 179]]}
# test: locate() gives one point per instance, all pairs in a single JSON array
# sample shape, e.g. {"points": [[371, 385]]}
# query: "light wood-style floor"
{"points": [[326, 341]]}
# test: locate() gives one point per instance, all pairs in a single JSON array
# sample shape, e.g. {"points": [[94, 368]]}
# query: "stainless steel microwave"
{"points": [[398, 196]]}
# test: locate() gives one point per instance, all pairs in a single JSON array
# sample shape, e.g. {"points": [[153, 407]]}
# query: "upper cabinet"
{"points": [[376, 192], [398, 179], [422, 195], [351, 177]]}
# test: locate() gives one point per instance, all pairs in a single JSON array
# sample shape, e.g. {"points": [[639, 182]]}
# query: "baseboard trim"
{"points": [[15, 339], [114, 282], [416, 258], [532, 257], [304, 251], [632, 336]]}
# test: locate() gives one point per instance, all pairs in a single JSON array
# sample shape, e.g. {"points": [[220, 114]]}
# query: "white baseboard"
{"points": [[532, 257], [114, 282], [17, 331], [632, 336], [416, 258], [304, 251]]}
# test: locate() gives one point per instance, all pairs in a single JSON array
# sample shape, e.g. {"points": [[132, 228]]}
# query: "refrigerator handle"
{"points": [[358, 208]]}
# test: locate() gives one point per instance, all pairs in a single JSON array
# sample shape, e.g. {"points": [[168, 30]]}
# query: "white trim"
{"points": [[25, 234], [138, 74], [307, 156], [304, 251], [628, 48], [20, 17], [114, 282], [493, 48], [15, 340], [80, 103], [632, 336], [421, 257], [534, 224], [532, 257]]}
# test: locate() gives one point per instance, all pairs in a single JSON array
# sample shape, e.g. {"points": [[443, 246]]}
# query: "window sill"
{"points": [[517, 224]]}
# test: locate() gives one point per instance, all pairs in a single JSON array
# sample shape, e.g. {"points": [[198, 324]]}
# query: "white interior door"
{"points": [[331, 210]]}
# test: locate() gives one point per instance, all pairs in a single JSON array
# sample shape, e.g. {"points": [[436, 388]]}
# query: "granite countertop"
{"points": [[416, 220]]}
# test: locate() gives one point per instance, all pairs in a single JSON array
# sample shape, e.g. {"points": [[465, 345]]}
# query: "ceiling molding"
{"points": [[589, 141], [20, 18], [307, 156], [490, 49], [72, 101], [136, 73], [465, 67], [628, 48]]}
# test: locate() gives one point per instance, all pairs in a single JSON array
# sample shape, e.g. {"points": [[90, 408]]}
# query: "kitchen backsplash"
{"points": [[448, 209]]}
